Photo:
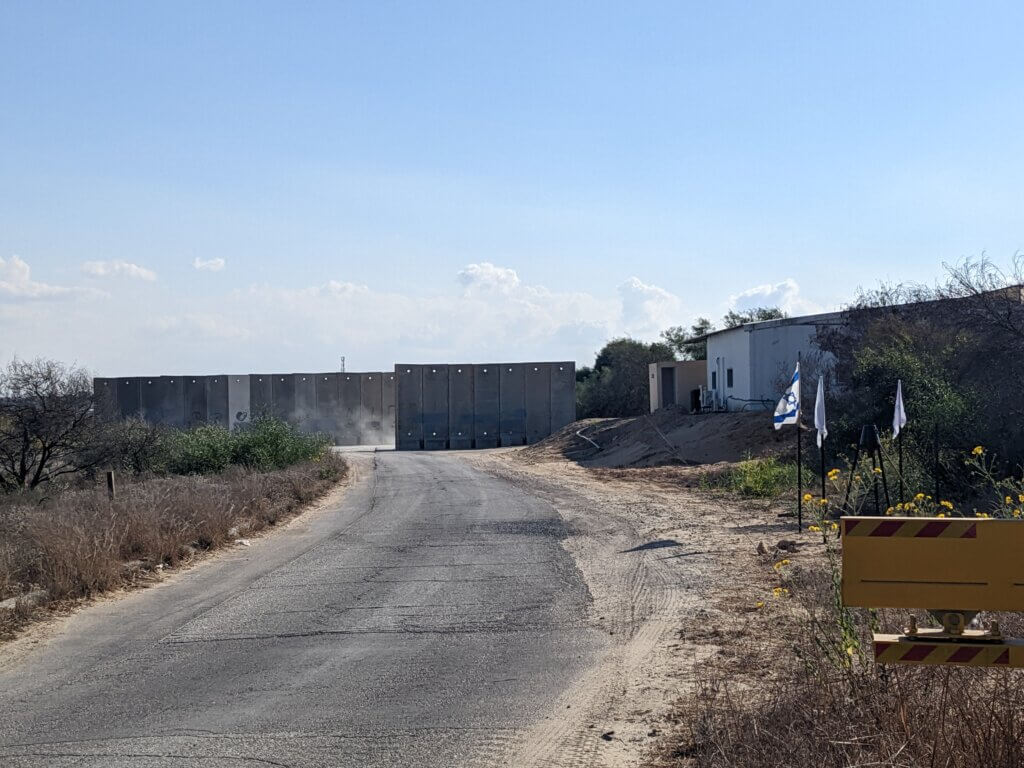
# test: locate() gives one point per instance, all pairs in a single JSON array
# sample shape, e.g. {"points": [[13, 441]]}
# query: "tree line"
{"points": [[616, 385]]}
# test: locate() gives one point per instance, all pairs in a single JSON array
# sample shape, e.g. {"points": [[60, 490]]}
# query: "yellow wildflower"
{"points": [[835, 526], [1020, 498], [808, 497], [759, 604], [823, 502], [978, 450], [877, 470], [833, 474], [814, 529], [941, 514], [919, 497], [1008, 500], [946, 504], [1016, 513], [780, 591]]}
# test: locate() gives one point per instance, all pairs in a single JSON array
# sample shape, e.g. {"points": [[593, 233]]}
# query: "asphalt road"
{"points": [[428, 619]]}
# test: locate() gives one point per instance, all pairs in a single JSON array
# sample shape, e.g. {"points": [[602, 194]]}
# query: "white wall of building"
{"points": [[762, 357], [729, 350], [773, 358]]}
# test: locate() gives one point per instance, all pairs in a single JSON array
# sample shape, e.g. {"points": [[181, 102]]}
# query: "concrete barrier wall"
{"points": [[195, 401], [328, 405], [238, 400], [104, 392], [435, 407], [538, 401], [217, 400], [129, 398], [353, 408], [486, 406], [388, 403], [371, 415], [408, 407], [482, 405], [163, 400], [261, 400], [282, 389], [304, 415], [350, 408], [563, 395], [460, 406], [512, 404]]}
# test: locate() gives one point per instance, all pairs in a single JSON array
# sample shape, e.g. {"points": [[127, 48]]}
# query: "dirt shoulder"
{"points": [[676, 577], [27, 626]]}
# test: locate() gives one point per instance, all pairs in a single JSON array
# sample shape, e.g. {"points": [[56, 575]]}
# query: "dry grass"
{"points": [[80, 544], [793, 689]]}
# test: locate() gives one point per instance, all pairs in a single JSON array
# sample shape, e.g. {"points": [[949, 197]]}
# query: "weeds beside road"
{"points": [[80, 543]]}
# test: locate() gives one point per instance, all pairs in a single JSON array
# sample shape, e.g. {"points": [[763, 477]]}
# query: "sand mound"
{"points": [[668, 436]]}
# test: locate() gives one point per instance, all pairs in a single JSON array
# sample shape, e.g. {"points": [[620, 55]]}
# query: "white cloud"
{"points": [[117, 268], [488, 277], [486, 314], [209, 265], [646, 309], [784, 295], [16, 282]]}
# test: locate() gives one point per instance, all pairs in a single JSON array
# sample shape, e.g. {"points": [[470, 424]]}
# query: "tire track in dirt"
{"points": [[637, 597]]}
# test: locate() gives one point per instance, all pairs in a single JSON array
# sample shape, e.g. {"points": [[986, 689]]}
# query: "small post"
{"points": [[110, 484], [799, 480], [799, 459]]}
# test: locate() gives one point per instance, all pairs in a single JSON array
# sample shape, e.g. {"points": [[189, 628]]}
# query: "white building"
{"points": [[749, 366]]}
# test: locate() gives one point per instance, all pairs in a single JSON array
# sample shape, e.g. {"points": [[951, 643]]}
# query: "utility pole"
{"points": [[342, 363]]}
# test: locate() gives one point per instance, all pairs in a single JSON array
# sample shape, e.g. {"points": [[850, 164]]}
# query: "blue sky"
{"points": [[225, 187]]}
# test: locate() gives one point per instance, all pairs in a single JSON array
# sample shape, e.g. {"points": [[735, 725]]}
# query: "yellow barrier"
{"points": [[933, 563]]}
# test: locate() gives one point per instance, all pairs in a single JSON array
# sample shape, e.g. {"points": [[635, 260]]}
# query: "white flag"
{"points": [[819, 411], [899, 414], [788, 409]]}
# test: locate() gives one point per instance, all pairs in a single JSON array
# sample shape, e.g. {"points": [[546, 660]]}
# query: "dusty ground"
{"points": [[676, 579], [666, 437]]}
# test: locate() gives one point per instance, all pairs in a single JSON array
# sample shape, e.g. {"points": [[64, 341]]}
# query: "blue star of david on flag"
{"points": [[788, 409]]}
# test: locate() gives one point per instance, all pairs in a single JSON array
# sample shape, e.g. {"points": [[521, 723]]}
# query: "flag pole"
{"points": [[823, 494], [899, 447], [799, 465]]}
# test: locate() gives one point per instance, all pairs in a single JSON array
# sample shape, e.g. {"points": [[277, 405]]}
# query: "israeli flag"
{"points": [[788, 409]]}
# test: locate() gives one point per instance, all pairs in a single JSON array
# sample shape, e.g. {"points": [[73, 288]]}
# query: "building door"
{"points": [[668, 387]]}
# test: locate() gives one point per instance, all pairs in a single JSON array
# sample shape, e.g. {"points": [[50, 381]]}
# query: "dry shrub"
{"points": [[80, 543], [819, 700]]}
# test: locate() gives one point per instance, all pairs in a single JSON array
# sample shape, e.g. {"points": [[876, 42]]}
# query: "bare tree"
{"points": [[47, 425]]}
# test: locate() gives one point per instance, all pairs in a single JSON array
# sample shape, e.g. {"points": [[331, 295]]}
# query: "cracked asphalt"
{"points": [[429, 618]]}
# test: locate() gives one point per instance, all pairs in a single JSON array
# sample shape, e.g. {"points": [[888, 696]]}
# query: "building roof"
{"points": [[824, 318], [1015, 292]]}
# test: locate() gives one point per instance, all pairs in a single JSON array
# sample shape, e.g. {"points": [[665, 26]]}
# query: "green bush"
{"points": [[200, 450], [272, 444], [762, 478], [265, 444]]}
